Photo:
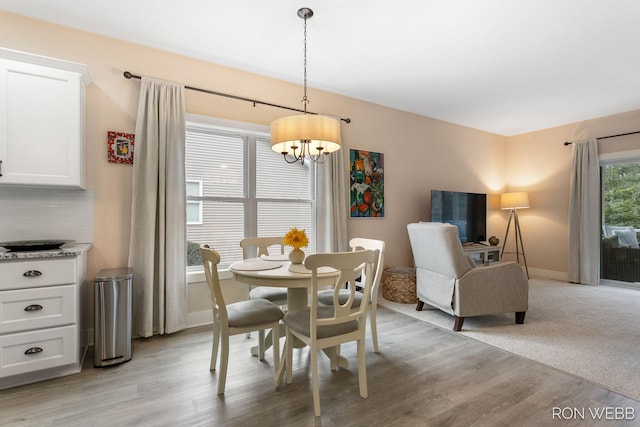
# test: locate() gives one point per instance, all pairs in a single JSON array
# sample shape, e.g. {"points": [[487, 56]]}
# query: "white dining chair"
{"points": [[236, 318], [326, 297], [257, 247], [262, 244], [321, 326]]}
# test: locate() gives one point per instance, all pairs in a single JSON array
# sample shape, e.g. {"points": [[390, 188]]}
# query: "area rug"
{"points": [[589, 331]]}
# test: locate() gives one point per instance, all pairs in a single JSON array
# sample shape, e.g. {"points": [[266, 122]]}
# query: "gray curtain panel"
{"points": [[332, 206], [584, 214], [157, 250]]}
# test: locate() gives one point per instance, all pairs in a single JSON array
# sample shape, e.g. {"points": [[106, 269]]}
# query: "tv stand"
{"points": [[481, 253]]}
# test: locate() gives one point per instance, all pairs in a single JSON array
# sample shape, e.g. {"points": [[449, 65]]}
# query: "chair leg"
{"points": [[334, 352], [374, 329], [289, 357], [362, 369], [420, 305], [275, 333], [261, 344], [224, 361], [457, 326], [214, 347], [315, 385], [520, 317]]}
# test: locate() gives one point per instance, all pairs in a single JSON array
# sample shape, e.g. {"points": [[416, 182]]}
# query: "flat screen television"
{"points": [[467, 211]]}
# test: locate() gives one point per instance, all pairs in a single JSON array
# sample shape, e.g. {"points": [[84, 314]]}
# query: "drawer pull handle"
{"points": [[32, 273], [33, 307], [34, 350]]}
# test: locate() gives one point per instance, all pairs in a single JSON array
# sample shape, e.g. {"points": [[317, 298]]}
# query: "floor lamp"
{"points": [[513, 202]]}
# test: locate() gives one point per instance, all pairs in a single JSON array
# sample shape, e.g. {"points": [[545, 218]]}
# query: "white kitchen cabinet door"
{"points": [[42, 136]]}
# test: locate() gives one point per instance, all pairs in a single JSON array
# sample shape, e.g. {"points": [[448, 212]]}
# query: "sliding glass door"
{"points": [[620, 252]]}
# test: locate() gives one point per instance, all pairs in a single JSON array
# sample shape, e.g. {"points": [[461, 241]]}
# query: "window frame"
{"points": [[609, 159], [251, 134]]}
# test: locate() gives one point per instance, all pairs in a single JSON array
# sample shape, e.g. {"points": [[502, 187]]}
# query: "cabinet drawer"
{"points": [[37, 272], [36, 350], [25, 309]]}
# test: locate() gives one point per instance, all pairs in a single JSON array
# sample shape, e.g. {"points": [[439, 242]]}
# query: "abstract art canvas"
{"points": [[366, 176]]}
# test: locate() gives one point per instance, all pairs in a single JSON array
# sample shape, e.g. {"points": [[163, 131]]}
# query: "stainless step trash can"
{"points": [[112, 315]]}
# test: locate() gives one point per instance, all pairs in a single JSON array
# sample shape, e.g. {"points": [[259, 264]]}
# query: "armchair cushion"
{"points": [[626, 235]]}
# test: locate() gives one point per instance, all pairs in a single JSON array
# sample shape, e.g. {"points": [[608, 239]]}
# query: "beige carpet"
{"points": [[589, 331]]}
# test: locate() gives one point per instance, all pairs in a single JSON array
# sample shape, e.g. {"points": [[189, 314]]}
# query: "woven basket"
{"points": [[399, 285]]}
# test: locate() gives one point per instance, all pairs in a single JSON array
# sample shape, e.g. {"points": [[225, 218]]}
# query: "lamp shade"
{"points": [[519, 200], [318, 131]]}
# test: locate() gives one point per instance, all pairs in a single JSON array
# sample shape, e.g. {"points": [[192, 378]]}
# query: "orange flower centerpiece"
{"points": [[296, 239]]}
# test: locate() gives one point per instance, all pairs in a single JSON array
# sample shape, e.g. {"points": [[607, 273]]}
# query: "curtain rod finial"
{"points": [[568, 143]]}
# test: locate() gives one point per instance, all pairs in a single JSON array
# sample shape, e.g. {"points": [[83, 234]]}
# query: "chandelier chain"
{"points": [[305, 99], [310, 137]]}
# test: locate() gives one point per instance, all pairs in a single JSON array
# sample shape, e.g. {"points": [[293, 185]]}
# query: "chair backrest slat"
{"points": [[350, 265], [358, 243], [261, 244], [210, 261]]}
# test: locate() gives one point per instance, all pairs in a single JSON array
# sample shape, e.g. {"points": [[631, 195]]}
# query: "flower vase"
{"points": [[296, 256]]}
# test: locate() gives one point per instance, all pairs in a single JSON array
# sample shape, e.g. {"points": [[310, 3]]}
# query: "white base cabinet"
{"points": [[40, 328], [42, 111]]}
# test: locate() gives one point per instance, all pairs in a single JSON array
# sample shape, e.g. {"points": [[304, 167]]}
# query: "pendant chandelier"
{"points": [[308, 135]]}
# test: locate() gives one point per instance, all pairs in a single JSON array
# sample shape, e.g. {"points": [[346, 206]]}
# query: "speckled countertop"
{"points": [[70, 249]]}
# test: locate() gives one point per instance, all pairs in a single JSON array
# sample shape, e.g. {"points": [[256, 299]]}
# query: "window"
{"points": [[194, 206], [620, 195], [238, 187]]}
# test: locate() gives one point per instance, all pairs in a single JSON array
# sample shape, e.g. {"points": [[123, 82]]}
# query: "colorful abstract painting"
{"points": [[366, 170]]}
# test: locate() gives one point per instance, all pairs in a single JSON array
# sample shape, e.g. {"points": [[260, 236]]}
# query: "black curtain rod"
{"points": [[610, 136], [129, 75]]}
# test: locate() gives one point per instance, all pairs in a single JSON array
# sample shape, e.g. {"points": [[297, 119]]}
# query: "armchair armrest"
{"points": [[497, 288]]}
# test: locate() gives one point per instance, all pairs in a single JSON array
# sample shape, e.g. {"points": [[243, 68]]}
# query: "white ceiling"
{"points": [[503, 66]]}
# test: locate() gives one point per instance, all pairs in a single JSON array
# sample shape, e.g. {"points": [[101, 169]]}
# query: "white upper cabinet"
{"points": [[42, 109]]}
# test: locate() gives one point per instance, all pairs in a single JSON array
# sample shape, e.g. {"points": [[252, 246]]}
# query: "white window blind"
{"points": [[247, 190]]}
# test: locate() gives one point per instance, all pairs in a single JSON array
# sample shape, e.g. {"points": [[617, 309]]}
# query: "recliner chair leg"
{"points": [[520, 317], [420, 305], [457, 326]]}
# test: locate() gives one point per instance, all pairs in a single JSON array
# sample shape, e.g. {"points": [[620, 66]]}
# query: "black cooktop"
{"points": [[33, 245]]}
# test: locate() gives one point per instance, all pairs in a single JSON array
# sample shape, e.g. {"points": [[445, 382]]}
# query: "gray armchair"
{"points": [[447, 279]]}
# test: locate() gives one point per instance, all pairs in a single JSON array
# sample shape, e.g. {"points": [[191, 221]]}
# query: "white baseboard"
{"points": [[548, 274], [199, 318]]}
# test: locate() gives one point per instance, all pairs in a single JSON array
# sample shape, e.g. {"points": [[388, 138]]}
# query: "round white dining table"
{"points": [[278, 271]]}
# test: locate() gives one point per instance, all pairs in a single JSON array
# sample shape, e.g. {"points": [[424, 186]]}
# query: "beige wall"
{"points": [[420, 153], [540, 163]]}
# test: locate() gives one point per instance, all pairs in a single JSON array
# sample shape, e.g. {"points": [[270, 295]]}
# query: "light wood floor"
{"points": [[424, 376]]}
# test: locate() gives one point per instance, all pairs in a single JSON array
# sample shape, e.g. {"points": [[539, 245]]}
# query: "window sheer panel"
{"points": [[217, 160], [279, 180]]}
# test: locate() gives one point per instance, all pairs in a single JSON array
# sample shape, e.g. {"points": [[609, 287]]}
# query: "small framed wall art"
{"points": [[120, 147], [366, 178]]}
